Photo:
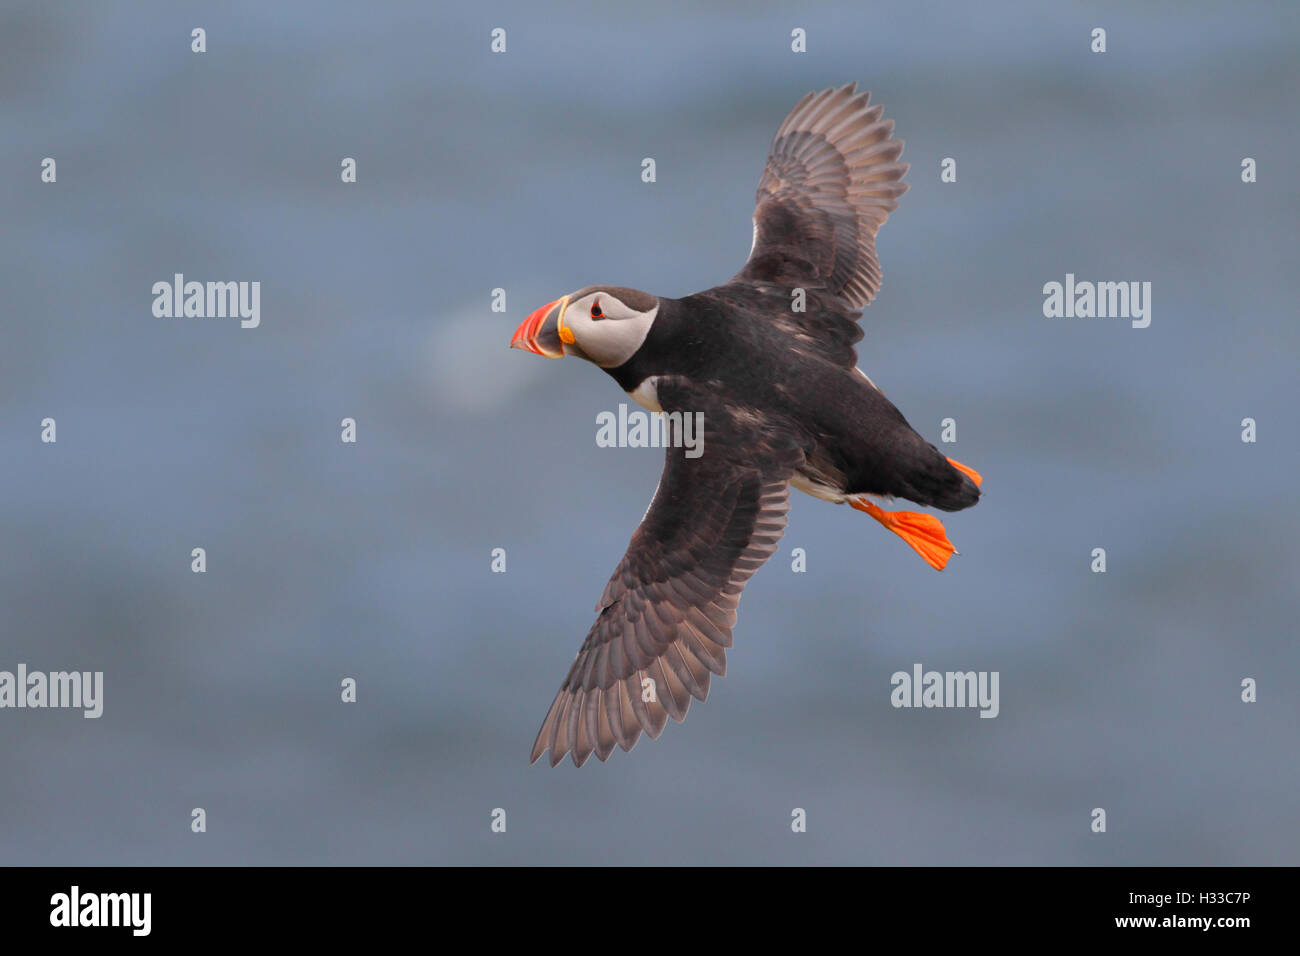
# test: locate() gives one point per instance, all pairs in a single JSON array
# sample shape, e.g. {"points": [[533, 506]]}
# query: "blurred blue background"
{"points": [[522, 171]]}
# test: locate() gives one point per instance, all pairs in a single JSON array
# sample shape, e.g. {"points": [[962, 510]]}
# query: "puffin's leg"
{"points": [[922, 531]]}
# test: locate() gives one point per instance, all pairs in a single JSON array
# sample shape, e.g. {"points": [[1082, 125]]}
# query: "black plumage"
{"points": [[783, 403]]}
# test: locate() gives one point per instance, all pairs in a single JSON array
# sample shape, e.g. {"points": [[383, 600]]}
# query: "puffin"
{"points": [[767, 359]]}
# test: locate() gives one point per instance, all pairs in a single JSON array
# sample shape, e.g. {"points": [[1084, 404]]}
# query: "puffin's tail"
{"points": [[974, 478], [940, 482]]}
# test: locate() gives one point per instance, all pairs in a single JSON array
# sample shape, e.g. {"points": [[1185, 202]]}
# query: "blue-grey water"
{"points": [[521, 171]]}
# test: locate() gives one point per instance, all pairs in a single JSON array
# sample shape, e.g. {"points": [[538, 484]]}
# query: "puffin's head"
{"points": [[603, 324]]}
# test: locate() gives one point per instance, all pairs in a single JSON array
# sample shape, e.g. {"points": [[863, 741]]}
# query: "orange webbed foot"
{"points": [[925, 533]]}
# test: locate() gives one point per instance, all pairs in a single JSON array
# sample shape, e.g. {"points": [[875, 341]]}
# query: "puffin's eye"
{"points": [[595, 310]]}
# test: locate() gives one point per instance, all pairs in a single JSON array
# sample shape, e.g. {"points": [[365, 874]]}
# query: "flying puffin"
{"points": [[768, 358]]}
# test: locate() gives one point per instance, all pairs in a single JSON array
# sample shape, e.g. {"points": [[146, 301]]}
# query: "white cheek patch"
{"points": [[614, 341]]}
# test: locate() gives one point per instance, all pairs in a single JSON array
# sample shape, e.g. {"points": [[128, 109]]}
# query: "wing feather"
{"points": [[832, 178], [669, 608]]}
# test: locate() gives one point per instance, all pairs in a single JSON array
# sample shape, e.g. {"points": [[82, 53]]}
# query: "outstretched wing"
{"points": [[832, 179], [664, 621]]}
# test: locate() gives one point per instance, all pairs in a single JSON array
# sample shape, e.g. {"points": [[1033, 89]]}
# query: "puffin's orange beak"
{"points": [[542, 333]]}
